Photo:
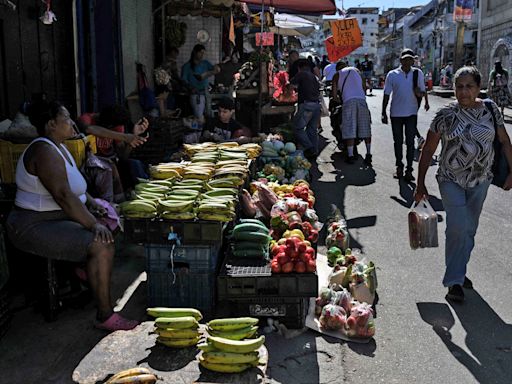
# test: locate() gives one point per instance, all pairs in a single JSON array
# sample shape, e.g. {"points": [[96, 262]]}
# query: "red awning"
{"points": [[304, 7]]}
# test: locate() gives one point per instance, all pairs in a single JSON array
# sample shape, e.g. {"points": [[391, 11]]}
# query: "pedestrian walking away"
{"points": [[400, 82], [367, 73], [356, 117], [498, 86], [467, 129], [307, 118]]}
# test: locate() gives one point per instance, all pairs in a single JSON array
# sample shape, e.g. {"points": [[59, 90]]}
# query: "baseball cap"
{"points": [[407, 53]]}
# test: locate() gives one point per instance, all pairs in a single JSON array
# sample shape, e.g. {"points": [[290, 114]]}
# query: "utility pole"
{"points": [[459, 46]]}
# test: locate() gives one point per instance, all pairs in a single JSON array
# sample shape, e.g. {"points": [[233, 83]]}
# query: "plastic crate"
{"points": [[10, 153], [242, 278], [156, 231], [189, 281], [288, 311]]}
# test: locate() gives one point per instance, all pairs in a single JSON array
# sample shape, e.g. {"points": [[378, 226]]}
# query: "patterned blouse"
{"points": [[467, 136]]}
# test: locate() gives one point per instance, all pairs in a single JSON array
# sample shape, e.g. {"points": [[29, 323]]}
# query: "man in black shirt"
{"points": [[307, 118], [293, 65], [367, 73]]}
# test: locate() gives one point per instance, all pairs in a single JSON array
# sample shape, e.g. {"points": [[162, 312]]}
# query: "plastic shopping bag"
{"points": [[422, 225]]}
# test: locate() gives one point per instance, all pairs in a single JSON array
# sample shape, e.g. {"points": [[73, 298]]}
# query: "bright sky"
{"points": [[382, 3]]}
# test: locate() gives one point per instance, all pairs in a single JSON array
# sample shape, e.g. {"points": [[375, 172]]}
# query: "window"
{"points": [[365, 20]]}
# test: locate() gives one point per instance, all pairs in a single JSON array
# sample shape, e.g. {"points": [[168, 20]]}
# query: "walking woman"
{"points": [[498, 86], [466, 129]]}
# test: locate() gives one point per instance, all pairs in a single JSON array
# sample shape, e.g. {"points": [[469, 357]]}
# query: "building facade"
{"points": [[495, 36], [368, 20]]}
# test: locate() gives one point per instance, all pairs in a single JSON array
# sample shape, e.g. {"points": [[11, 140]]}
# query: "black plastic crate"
{"points": [[250, 278], [183, 289], [156, 231], [199, 258], [182, 277], [288, 311]]}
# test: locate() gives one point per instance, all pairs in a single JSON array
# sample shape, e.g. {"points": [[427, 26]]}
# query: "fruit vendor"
{"points": [[52, 214], [195, 74], [225, 127]]}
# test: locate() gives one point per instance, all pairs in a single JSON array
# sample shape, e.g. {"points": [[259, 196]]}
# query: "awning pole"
{"points": [[260, 89]]}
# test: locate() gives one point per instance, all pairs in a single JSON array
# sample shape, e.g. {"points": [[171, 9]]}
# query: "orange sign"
{"points": [[346, 33], [335, 53], [264, 39]]}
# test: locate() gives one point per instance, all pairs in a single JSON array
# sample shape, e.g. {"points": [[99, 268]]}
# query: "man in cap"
{"points": [[407, 85]]}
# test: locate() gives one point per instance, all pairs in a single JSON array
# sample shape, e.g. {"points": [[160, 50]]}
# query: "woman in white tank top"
{"points": [[51, 219]]}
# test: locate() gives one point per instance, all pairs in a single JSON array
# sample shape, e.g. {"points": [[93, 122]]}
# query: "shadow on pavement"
{"points": [[298, 362], [488, 337], [344, 175], [407, 196]]}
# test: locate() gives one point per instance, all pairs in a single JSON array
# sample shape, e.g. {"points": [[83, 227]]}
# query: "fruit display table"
{"points": [[126, 349]]}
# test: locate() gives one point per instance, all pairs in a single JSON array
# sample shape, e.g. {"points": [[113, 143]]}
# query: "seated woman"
{"points": [[51, 217]]}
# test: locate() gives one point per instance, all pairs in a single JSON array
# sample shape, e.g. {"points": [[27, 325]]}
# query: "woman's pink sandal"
{"points": [[116, 322]]}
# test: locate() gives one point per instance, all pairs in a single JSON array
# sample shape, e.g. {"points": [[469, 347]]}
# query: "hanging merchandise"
{"points": [[175, 32], [48, 16]]}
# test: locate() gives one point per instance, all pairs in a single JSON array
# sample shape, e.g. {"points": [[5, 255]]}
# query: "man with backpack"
{"points": [[407, 84]]}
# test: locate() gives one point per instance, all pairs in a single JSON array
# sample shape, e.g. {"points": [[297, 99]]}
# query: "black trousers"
{"points": [[398, 124]]}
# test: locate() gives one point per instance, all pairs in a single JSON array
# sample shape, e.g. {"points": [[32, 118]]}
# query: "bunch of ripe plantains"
{"points": [[231, 346], [176, 327]]}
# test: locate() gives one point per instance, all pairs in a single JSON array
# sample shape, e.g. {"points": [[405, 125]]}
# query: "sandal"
{"points": [[116, 322]]}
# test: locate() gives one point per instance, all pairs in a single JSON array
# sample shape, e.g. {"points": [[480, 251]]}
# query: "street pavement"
{"points": [[421, 338]]}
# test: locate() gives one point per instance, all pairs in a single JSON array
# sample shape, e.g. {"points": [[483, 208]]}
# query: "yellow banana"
{"points": [[129, 372], [224, 218], [207, 347], [171, 333], [177, 322], [178, 215], [230, 358], [175, 206], [178, 343], [174, 312], [232, 323], [236, 346], [239, 334], [145, 378], [224, 368]]}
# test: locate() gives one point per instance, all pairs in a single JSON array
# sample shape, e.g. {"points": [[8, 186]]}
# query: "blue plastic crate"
{"points": [[183, 277]]}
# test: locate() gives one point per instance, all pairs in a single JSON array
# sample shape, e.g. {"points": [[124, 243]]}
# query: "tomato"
{"points": [[300, 267], [311, 266], [276, 268], [302, 247], [287, 268], [311, 252], [281, 258]]}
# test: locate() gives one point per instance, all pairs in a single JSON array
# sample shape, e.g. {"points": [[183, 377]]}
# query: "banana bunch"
{"points": [[233, 328], [226, 355], [199, 171], [219, 209], [209, 156], [137, 375], [192, 149], [139, 209], [227, 145], [251, 239], [166, 171], [224, 182], [233, 154], [176, 327], [253, 150]]}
